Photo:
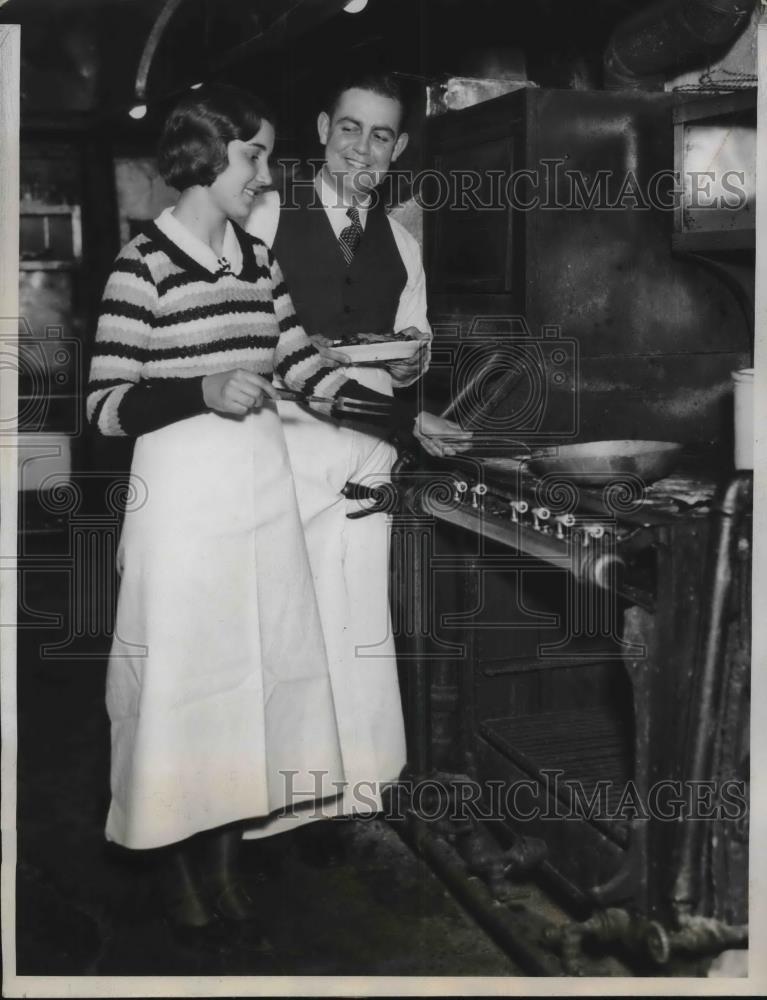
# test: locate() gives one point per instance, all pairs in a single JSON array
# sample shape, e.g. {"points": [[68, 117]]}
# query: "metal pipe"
{"points": [[150, 46], [710, 653], [706, 936], [645, 939], [298, 15], [520, 931], [669, 37]]}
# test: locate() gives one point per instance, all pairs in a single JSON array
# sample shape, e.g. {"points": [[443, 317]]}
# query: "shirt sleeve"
{"points": [[119, 403], [412, 309]]}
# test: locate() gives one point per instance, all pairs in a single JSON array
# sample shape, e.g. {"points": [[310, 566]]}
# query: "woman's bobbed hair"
{"points": [[193, 144]]}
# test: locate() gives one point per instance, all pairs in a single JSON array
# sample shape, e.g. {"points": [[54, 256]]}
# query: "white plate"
{"points": [[387, 350]]}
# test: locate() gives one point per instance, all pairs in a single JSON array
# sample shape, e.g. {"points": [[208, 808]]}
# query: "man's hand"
{"points": [[407, 370], [329, 353], [440, 437], [236, 392]]}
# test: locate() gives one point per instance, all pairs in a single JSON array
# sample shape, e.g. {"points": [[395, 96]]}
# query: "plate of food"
{"points": [[372, 348]]}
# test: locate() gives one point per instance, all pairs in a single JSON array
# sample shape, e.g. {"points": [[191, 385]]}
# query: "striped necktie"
{"points": [[350, 237]]}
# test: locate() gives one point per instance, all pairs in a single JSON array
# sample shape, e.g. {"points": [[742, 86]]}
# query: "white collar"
{"points": [[196, 248], [333, 205]]}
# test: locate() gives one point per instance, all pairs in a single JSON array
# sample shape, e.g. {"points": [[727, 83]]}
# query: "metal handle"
{"points": [[340, 404]]}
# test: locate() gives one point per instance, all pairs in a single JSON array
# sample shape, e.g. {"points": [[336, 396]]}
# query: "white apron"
{"points": [[350, 566], [228, 708]]}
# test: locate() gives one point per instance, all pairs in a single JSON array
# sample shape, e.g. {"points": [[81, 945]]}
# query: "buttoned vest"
{"points": [[329, 297]]}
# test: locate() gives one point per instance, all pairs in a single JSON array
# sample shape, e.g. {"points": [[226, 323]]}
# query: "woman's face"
{"points": [[246, 174]]}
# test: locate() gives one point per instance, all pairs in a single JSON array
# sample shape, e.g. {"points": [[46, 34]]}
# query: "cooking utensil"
{"points": [[478, 402], [594, 461], [340, 405]]}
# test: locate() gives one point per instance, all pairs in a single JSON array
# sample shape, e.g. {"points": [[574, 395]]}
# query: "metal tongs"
{"points": [[340, 405]]}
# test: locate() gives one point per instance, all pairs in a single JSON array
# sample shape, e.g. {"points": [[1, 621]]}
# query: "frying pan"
{"points": [[593, 461]]}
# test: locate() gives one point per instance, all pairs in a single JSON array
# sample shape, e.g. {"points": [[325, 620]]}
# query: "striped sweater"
{"points": [[166, 322]]}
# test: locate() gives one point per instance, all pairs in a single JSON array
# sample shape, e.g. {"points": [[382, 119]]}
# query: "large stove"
{"points": [[572, 640], [580, 645]]}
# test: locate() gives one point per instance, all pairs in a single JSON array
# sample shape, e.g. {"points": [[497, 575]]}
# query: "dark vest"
{"points": [[329, 297]]}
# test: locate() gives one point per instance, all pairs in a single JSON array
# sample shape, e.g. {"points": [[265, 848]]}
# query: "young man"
{"points": [[351, 269]]}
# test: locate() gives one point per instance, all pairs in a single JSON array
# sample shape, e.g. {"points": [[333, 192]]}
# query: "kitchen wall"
{"points": [[51, 324], [141, 193]]}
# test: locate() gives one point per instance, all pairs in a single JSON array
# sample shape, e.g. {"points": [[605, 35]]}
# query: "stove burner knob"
{"points": [[540, 514], [518, 507], [460, 488], [592, 531], [476, 492], [564, 521]]}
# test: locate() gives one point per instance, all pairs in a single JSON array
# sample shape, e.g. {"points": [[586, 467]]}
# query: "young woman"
{"points": [[217, 671], [217, 687]]}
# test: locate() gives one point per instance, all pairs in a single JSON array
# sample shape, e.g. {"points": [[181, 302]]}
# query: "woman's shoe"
{"points": [[228, 897], [192, 921], [219, 852], [215, 936], [233, 903]]}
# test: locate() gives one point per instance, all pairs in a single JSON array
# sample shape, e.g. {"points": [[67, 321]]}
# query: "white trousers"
{"points": [[349, 561]]}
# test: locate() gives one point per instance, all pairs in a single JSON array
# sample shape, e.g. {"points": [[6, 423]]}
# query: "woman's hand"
{"points": [[440, 437], [236, 392]]}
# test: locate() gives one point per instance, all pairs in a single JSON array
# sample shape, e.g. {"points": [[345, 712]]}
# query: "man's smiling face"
{"points": [[361, 141]]}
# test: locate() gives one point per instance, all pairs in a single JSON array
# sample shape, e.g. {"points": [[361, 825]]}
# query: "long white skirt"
{"points": [[217, 687]]}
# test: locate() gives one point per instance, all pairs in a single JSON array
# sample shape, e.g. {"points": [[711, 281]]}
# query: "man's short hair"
{"points": [[193, 144], [383, 84]]}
